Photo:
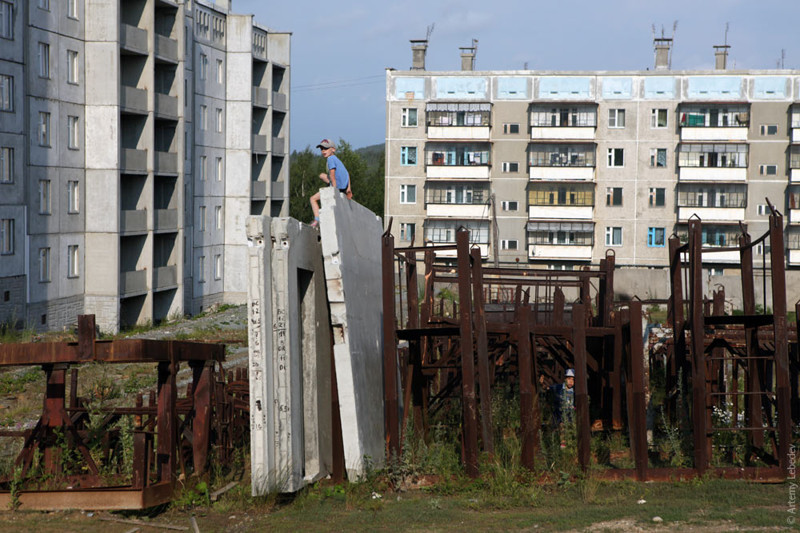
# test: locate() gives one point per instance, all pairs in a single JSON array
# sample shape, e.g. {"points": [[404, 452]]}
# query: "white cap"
{"points": [[570, 373]]}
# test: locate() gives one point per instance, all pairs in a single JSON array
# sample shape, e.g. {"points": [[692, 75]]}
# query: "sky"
{"points": [[340, 50]]}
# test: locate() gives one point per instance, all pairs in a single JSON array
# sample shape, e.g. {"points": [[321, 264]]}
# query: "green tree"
{"points": [[304, 182]]}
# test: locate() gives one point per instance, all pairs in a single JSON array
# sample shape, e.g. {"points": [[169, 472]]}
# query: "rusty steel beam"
{"points": [[581, 386], [392, 423], [700, 433], [752, 403], [526, 391], [469, 407], [482, 349]]}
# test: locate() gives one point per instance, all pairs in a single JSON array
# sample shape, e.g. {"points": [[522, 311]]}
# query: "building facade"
{"points": [[135, 137], [559, 169]]}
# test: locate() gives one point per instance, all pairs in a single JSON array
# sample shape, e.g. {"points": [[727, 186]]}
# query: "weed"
{"points": [[16, 484]]}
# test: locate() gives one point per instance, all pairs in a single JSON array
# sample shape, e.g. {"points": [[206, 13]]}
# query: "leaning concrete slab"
{"points": [[290, 372], [351, 248]]}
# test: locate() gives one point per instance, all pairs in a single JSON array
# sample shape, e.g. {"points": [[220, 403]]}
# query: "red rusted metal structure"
{"points": [[171, 435], [519, 325]]}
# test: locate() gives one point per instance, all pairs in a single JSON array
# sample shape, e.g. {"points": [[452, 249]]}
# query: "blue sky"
{"points": [[340, 50]]}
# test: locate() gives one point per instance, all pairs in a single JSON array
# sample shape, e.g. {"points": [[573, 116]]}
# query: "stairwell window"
{"points": [[218, 267], [72, 133], [510, 129], [44, 129], [73, 197], [6, 93], [203, 66], [44, 265], [510, 167], [72, 9], [72, 67], [6, 20], [6, 164], [768, 170], [44, 197], [73, 261], [7, 236], [44, 60], [509, 244]]}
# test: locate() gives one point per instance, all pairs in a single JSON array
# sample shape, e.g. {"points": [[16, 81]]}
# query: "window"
{"points": [[510, 205], [44, 197], [579, 116], [44, 60], [72, 67], [6, 164], [6, 20], [656, 237], [218, 217], [44, 265], [7, 236], [44, 4], [218, 170], [613, 236], [763, 210], [201, 269], [768, 170], [73, 261], [769, 129], [218, 266], [408, 194], [658, 157], [613, 195], [220, 71], [511, 244], [201, 171], [219, 120], [6, 92], [72, 9], [616, 157], [72, 132], [73, 197], [44, 129], [510, 129], [408, 155], [510, 166], [203, 66], [657, 197], [658, 118], [409, 117], [407, 231], [201, 224], [616, 118], [203, 117]]}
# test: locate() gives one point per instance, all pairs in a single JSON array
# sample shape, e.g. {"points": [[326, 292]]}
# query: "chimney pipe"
{"points": [[662, 47], [467, 58], [418, 50], [721, 56]]}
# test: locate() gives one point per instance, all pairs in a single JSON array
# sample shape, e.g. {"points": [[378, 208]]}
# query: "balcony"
{"points": [[166, 220], [133, 100], [260, 144], [133, 282], [166, 162], [133, 161], [794, 257], [562, 173], [794, 216], [565, 252], [709, 256], [724, 174], [167, 106], [712, 214], [794, 175], [565, 133], [258, 189], [277, 189], [713, 134], [480, 172], [260, 97], [279, 146], [459, 132], [165, 277], [457, 210], [133, 221], [561, 212], [133, 39], [279, 102], [484, 248], [166, 48]]}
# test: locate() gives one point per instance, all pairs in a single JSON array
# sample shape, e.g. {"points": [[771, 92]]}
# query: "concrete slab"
{"points": [[351, 249], [290, 374]]}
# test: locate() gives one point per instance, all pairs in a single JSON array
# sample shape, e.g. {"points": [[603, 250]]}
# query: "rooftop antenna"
{"points": [[429, 31], [783, 58], [727, 26], [525, 66]]}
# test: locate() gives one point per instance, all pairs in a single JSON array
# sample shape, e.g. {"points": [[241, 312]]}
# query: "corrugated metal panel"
{"points": [[659, 88], [458, 106], [571, 87], [767, 88], [617, 88], [714, 87], [512, 88]]}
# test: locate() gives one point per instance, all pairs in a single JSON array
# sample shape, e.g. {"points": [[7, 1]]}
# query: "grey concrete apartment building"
{"points": [[558, 169], [135, 137]]}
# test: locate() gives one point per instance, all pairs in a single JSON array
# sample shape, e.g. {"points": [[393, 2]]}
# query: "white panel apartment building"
{"points": [[581, 164], [135, 136]]}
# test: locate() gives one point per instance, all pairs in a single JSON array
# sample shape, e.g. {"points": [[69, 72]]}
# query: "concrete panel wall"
{"points": [[351, 237], [289, 343]]}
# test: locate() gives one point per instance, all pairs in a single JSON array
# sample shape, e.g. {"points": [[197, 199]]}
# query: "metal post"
{"points": [[482, 348], [392, 427], [581, 385], [201, 424], [638, 420], [699, 420], [526, 391], [470, 414], [752, 400]]}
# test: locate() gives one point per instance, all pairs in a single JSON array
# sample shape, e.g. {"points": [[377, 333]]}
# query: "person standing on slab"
{"points": [[337, 176]]}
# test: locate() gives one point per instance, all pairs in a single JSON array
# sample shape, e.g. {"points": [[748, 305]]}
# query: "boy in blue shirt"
{"points": [[337, 176]]}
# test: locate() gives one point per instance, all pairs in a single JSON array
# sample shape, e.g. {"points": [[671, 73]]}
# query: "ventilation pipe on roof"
{"points": [[418, 50]]}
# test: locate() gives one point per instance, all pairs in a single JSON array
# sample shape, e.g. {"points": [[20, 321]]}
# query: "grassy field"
{"points": [[703, 505]]}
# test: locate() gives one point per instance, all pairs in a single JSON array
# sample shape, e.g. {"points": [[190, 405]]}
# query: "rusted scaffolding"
{"points": [[527, 326], [171, 435]]}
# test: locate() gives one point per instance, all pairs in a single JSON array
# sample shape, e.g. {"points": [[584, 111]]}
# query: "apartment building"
{"points": [[559, 169], [135, 137]]}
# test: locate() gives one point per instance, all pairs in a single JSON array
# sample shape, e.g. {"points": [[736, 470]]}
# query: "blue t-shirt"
{"points": [[342, 176]]}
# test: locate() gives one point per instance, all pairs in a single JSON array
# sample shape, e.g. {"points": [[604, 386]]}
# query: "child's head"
{"points": [[327, 147]]}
